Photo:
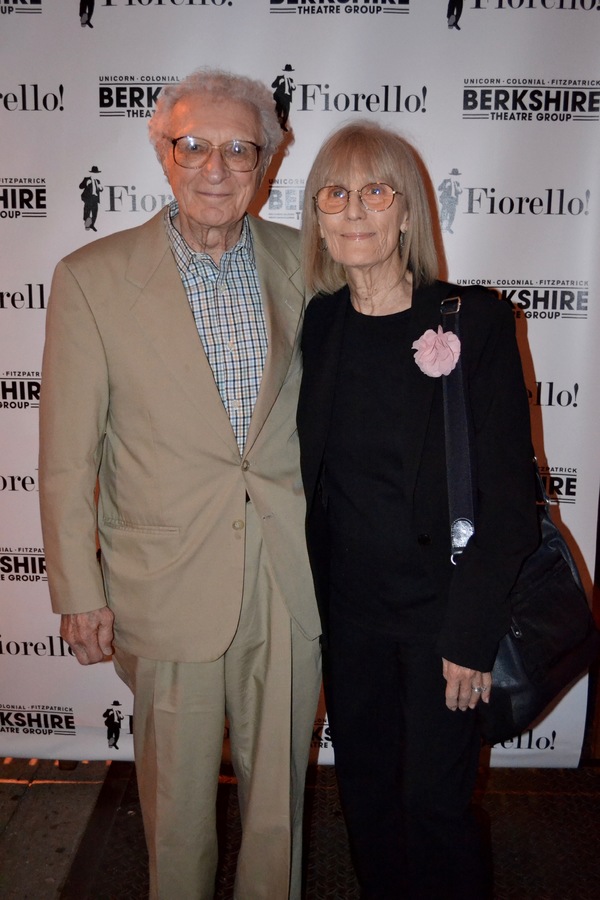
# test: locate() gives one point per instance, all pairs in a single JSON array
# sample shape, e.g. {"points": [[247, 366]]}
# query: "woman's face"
{"points": [[360, 238]]}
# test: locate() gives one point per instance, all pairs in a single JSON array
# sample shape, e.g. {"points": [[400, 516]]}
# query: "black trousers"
{"points": [[406, 768]]}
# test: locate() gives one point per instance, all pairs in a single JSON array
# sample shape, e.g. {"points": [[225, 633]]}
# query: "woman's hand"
{"points": [[465, 687]]}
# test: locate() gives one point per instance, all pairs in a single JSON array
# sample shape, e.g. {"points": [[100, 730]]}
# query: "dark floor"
{"points": [[545, 828]]}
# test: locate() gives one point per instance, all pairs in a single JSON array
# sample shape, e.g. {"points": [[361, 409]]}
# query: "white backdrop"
{"points": [[504, 110]]}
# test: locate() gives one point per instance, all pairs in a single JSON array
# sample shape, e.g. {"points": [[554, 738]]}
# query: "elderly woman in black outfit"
{"points": [[410, 638]]}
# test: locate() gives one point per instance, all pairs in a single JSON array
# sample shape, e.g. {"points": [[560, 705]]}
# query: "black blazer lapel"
{"points": [[321, 347]]}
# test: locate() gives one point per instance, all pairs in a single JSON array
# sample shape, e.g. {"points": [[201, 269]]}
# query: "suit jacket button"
{"points": [[238, 524], [245, 465], [424, 539]]}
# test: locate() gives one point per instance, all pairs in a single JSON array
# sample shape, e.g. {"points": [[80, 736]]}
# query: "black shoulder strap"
{"points": [[460, 465]]}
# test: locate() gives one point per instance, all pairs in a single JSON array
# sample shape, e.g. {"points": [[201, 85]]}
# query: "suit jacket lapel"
{"points": [[283, 304], [162, 310]]}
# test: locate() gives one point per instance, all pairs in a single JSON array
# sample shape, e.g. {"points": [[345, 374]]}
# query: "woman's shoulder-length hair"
{"points": [[381, 155]]}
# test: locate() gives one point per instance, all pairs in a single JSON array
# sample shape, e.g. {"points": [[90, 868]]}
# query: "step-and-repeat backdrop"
{"points": [[502, 100]]}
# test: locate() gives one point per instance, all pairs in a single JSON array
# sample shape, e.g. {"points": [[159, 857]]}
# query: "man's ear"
{"points": [[264, 168]]}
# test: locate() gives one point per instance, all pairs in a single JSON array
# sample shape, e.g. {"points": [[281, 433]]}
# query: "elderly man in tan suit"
{"points": [[170, 378]]}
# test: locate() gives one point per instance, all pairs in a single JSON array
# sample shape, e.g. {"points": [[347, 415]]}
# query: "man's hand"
{"points": [[89, 634], [465, 687]]}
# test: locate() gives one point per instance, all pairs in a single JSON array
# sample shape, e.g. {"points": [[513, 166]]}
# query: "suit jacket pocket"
{"points": [[138, 558], [139, 528]]}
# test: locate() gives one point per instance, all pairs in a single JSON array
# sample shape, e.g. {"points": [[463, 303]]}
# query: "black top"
{"points": [[375, 575]]}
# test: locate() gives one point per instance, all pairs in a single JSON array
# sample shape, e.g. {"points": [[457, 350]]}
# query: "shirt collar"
{"points": [[184, 254]]}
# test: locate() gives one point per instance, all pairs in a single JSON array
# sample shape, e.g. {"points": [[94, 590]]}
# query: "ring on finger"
{"points": [[477, 690]]}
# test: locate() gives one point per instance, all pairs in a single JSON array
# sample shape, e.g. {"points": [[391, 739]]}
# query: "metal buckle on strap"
{"points": [[461, 531], [450, 306]]}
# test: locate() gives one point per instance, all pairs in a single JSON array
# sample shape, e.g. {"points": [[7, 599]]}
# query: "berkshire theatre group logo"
{"points": [[23, 198], [548, 299], [16, 718], [552, 100], [22, 564], [360, 8], [20, 389], [560, 483], [321, 735], [286, 200], [130, 96], [58, 721], [21, 7], [541, 299]]}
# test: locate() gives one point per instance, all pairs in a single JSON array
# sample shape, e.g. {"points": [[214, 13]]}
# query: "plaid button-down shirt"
{"points": [[227, 308]]}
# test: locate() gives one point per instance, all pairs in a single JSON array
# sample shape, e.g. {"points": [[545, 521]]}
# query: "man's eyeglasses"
{"points": [[192, 153], [375, 197]]}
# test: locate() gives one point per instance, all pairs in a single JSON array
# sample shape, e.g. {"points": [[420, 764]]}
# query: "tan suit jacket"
{"points": [[129, 397]]}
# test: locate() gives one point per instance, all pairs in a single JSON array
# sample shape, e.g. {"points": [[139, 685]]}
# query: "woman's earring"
{"points": [[402, 239], [323, 245]]}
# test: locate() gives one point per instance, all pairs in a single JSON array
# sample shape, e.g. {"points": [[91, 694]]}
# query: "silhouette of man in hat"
{"points": [[86, 11], [112, 719], [450, 190], [282, 95], [455, 8], [90, 194]]}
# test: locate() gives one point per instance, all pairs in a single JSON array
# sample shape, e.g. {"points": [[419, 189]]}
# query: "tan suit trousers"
{"points": [[267, 685]]}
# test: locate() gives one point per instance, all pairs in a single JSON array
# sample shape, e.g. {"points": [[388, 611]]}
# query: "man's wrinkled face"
{"points": [[213, 197]]}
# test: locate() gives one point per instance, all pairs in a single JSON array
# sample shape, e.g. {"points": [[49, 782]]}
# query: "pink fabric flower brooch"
{"points": [[437, 352]]}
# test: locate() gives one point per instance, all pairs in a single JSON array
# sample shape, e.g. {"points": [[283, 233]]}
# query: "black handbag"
{"points": [[553, 639]]}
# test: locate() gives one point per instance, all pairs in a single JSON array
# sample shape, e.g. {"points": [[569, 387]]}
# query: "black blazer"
{"points": [[473, 592]]}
